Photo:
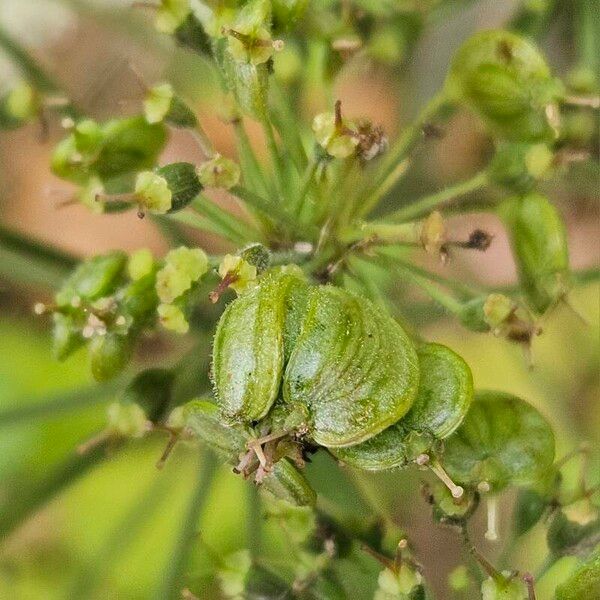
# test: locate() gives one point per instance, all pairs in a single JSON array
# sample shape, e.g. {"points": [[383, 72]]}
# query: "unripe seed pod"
{"points": [[354, 369], [443, 399], [584, 582], [109, 354], [248, 352], [540, 249], [109, 151], [518, 167], [257, 255], [139, 300], [129, 145], [284, 482], [502, 440], [183, 183], [505, 79]]}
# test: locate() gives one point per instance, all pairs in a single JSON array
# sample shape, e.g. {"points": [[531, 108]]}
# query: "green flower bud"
{"points": [[505, 79], [397, 585], [183, 267], [172, 317], [539, 244], [338, 136], [161, 104], [110, 354], [152, 193], [151, 392], [140, 264], [507, 587], [94, 278], [519, 167], [451, 510], [240, 274], [219, 172]]}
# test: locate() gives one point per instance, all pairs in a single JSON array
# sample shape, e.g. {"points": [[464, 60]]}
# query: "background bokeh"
{"points": [[111, 533]]}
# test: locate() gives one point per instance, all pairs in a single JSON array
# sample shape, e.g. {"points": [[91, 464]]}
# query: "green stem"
{"points": [[424, 205], [240, 231], [375, 196], [431, 289], [276, 160], [254, 520], [305, 185], [171, 581], [409, 137], [253, 173], [398, 233], [287, 125], [265, 206]]}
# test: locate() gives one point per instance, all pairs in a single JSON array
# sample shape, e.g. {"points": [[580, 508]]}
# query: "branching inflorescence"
{"points": [[310, 357]]}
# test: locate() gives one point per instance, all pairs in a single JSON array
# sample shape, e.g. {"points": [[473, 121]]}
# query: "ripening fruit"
{"points": [[503, 440], [505, 79], [518, 166], [540, 249], [333, 354], [284, 482], [443, 399]]}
